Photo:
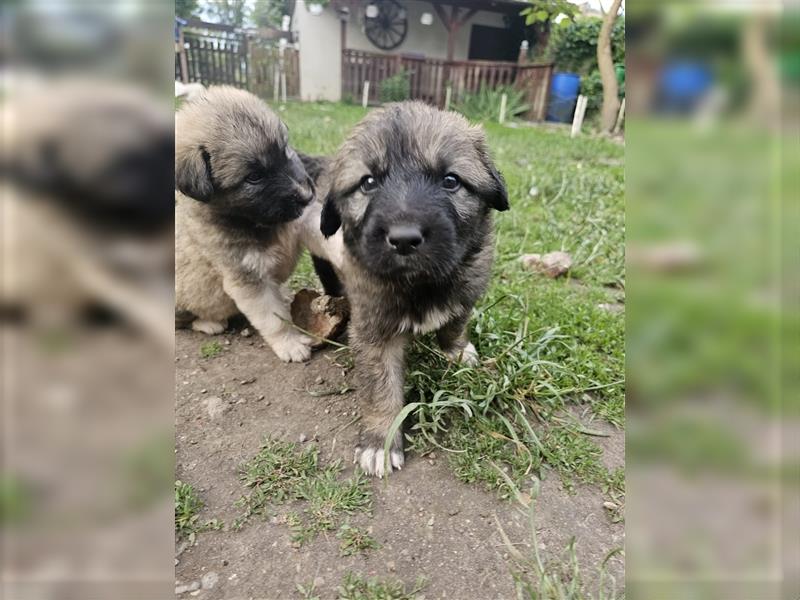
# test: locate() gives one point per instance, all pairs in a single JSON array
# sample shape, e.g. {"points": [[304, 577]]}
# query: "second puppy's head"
{"points": [[412, 189], [232, 152]]}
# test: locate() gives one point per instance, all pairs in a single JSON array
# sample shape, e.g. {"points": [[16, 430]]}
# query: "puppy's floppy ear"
{"points": [[330, 220], [193, 173], [497, 195]]}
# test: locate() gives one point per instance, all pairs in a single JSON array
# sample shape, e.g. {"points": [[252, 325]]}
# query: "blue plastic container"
{"points": [[563, 96]]}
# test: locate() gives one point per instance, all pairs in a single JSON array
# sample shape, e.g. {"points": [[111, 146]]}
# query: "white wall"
{"points": [[427, 40], [320, 44], [320, 53]]}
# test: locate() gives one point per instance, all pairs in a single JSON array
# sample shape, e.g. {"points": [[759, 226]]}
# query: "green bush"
{"points": [[484, 105], [395, 88], [573, 48]]}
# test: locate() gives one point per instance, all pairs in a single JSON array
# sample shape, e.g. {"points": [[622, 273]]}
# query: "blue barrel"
{"points": [[563, 96]]}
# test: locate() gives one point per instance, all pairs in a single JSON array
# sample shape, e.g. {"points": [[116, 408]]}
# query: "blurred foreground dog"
{"points": [[408, 217], [242, 189], [85, 169]]}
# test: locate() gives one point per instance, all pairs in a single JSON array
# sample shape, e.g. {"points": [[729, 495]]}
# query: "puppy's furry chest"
{"points": [[388, 311]]}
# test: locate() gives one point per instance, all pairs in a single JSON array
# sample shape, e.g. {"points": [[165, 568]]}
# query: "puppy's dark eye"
{"points": [[254, 178], [368, 184], [451, 182]]}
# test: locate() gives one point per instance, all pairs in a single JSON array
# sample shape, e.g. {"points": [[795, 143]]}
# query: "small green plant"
{"points": [[187, 507], [558, 579], [307, 591], [484, 105], [210, 349], [354, 540], [275, 474], [395, 88], [328, 499], [280, 473], [356, 587]]}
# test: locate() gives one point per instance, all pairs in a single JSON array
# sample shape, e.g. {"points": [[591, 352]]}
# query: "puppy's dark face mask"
{"points": [[248, 174], [414, 203]]}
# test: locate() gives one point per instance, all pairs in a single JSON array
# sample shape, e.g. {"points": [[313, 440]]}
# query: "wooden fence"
{"points": [[429, 77], [221, 58]]}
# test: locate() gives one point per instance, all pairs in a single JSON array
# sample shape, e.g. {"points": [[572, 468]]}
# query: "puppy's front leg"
{"points": [[267, 310], [382, 372], [454, 342]]}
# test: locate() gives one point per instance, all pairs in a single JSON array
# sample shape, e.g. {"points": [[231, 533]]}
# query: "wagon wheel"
{"points": [[387, 30]]}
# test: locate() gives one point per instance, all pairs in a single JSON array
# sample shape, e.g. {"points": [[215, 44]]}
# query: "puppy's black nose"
{"points": [[404, 238]]}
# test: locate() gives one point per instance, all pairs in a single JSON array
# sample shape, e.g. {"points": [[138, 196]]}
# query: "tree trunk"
{"points": [[605, 63]]}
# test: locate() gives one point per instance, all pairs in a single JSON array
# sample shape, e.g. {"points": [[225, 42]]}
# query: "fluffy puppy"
{"points": [[242, 189], [408, 217]]}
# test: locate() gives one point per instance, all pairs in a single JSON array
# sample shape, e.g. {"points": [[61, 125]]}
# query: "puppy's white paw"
{"points": [[468, 356], [291, 347], [372, 461], [209, 327]]}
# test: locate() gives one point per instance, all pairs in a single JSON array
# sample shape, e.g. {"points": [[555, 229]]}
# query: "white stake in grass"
{"points": [[365, 95], [503, 101], [447, 94], [577, 120]]}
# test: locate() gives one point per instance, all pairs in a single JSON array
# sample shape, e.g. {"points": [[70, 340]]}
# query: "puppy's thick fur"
{"points": [[408, 217], [242, 189]]}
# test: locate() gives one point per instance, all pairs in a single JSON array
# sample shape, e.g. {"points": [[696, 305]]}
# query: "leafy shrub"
{"points": [[573, 48], [484, 105], [395, 88]]}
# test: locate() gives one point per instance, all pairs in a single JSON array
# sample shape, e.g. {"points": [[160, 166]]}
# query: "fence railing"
{"points": [[430, 77], [219, 58]]}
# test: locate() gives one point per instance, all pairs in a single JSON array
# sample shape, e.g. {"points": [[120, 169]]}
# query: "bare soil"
{"points": [[428, 523]]}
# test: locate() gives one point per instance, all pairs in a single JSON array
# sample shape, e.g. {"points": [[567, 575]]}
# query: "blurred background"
{"points": [[713, 447], [86, 171], [712, 315]]}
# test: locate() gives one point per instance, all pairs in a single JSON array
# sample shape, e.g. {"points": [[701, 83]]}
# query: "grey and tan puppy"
{"points": [[242, 189], [408, 222]]}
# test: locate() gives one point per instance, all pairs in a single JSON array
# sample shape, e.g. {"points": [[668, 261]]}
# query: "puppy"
{"points": [[408, 222], [242, 189]]}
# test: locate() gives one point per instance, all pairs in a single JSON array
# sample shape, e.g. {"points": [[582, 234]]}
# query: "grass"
{"points": [[547, 345], [355, 541], [357, 587], [211, 349], [560, 578], [187, 508], [281, 472]]}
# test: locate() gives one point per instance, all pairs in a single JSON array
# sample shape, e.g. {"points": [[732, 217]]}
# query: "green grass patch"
{"points": [[187, 508], [353, 540], [211, 349], [357, 587], [281, 472]]}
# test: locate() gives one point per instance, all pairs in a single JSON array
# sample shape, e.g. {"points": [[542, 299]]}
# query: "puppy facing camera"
{"points": [[240, 189]]}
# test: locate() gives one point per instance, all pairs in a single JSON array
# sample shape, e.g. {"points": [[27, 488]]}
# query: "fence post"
{"points": [[246, 54], [620, 117], [182, 56], [577, 120]]}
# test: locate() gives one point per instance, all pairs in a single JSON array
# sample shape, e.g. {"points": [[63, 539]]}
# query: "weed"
{"points": [[557, 579], [484, 105], [356, 587], [187, 507], [354, 540], [395, 88], [275, 474], [210, 349], [280, 472]]}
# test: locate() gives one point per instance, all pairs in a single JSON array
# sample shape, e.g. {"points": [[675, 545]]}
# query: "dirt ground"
{"points": [[428, 523]]}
